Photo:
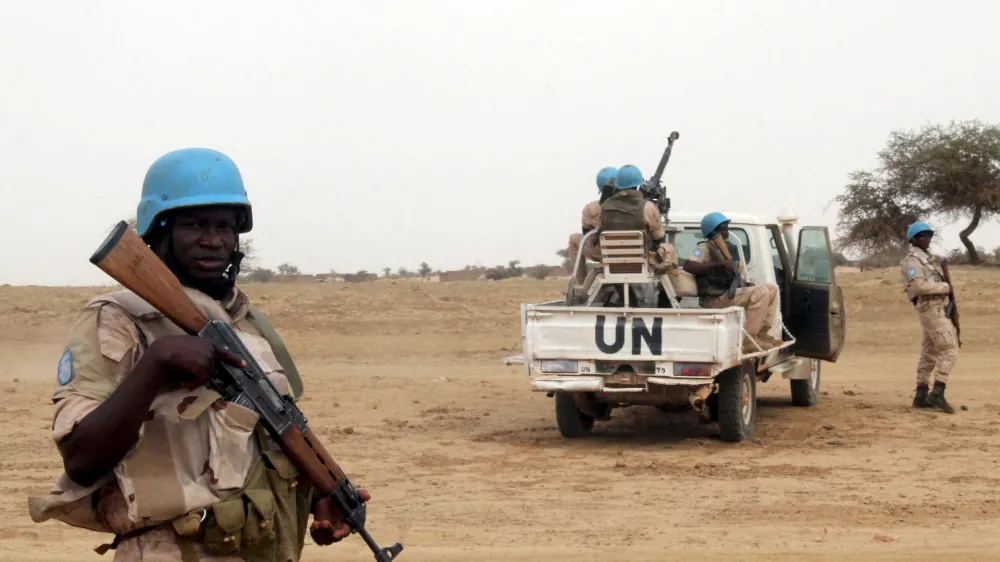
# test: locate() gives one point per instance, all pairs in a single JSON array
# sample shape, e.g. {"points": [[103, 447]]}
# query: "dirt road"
{"points": [[404, 381]]}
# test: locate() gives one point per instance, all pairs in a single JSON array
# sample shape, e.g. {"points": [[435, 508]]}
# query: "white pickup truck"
{"points": [[624, 336]]}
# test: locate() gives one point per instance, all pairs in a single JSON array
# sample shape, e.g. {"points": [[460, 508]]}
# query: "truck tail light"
{"points": [[565, 367], [692, 369]]}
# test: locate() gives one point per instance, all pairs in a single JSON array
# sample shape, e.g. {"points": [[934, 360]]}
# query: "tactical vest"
{"points": [[715, 283], [623, 211], [265, 519]]}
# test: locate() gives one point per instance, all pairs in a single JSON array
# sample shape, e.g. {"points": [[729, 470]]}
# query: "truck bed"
{"points": [[648, 340]]}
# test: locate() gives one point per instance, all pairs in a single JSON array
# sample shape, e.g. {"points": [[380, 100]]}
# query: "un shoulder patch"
{"points": [[912, 272], [697, 252], [65, 371]]}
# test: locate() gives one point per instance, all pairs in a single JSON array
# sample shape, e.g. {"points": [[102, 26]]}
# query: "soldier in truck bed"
{"points": [[591, 217], [628, 209], [713, 274]]}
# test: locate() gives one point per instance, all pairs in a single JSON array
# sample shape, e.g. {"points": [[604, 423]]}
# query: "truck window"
{"points": [[814, 261], [689, 238]]}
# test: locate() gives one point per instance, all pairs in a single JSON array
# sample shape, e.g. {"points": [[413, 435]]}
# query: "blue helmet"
{"points": [[191, 177], [607, 174], [712, 221], [916, 228], [629, 177]]}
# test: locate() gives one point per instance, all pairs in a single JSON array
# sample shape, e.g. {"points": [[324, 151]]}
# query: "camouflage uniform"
{"points": [[759, 301], [193, 451], [924, 281]]}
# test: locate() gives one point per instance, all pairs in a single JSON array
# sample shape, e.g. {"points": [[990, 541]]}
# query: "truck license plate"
{"points": [[624, 379]]}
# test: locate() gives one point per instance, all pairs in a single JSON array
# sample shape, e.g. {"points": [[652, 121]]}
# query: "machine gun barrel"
{"points": [[652, 188], [655, 179]]}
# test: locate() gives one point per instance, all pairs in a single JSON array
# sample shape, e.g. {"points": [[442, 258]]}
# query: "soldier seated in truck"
{"points": [[714, 277]]}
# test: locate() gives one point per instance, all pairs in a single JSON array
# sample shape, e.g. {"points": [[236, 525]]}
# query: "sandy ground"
{"points": [[405, 382]]}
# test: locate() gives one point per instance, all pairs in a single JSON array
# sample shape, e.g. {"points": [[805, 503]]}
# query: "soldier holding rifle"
{"points": [[721, 285], [173, 470], [930, 290]]}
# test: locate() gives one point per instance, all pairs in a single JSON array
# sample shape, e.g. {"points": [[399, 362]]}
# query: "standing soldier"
{"points": [[150, 454], [927, 290]]}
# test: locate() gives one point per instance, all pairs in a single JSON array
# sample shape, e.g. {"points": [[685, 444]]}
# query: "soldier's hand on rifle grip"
{"points": [[190, 358], [727, 265], [328, 524]]}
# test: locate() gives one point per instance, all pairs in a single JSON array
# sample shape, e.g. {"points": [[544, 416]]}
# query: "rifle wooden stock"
{"points": [[128, 260], [723, 247]]}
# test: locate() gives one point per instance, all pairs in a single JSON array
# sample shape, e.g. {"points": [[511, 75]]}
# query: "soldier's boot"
{"points": [[920, 398], [936, 399], [764, 337], [750, 347]]}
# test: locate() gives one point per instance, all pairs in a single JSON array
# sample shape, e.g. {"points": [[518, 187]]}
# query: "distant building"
{"points": [[360, 277], [460, 275]]}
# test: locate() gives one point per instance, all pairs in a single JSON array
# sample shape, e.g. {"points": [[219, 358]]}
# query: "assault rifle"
{"points": [[951, 311], [127, 259], [652, 189]]}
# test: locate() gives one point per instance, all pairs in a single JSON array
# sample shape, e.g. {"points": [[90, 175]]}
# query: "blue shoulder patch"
{"points": [[65, 371], [697, 252], [912, 272]]}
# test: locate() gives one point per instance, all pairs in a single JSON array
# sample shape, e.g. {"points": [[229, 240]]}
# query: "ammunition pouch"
{"points": [[264, 521]]}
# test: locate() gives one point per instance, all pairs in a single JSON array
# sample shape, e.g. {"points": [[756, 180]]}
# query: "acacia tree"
{"points": [[249, 252], [946, 172], [874, 212], [567, 261], [287, 269]]}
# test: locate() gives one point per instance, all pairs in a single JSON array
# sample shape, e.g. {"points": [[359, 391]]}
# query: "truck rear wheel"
{"points": [[805, 392], [571, 421], [737, 402]]}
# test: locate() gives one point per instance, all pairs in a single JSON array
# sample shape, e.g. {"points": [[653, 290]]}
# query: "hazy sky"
{"points": [[365, 131]]}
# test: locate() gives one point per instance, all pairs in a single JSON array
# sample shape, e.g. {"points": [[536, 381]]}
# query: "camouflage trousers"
{"points": [[939, 348], [758, 302]]}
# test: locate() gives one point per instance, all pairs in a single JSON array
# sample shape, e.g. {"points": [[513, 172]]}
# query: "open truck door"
{"points": [[817, 303]]}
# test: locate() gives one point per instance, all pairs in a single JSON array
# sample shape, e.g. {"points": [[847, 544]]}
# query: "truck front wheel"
{"points": [[571, 421], [737, 402], [805, 392]]}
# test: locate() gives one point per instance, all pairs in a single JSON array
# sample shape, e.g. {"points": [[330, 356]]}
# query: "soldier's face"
{"points": [[923, 240], [723, 231], [204, 241]]}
